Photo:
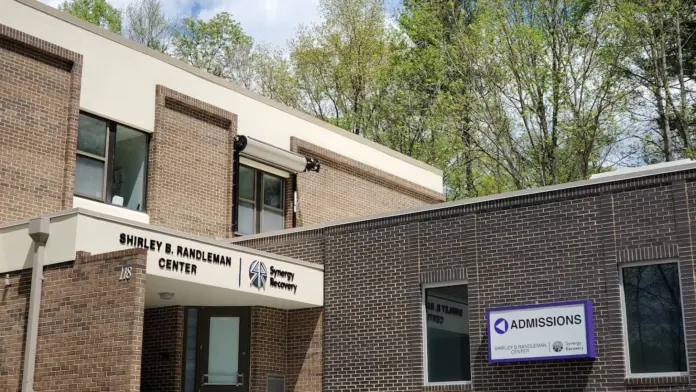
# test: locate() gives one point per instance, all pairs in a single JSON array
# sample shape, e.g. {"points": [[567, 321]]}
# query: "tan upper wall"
{"points": [[345, 188], [119, 80]]}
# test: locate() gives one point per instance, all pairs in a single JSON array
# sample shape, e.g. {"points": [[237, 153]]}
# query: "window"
{"points": [[111, 163], [191, 350], [261, 201], [653, 321], [446, 349]]}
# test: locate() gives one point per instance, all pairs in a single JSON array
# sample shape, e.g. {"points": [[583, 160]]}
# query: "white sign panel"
{"points": [[190, 260], [539, 332]]}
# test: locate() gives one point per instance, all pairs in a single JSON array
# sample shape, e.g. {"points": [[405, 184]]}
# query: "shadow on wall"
{"points": [[19, 288], [304, 357], [550, 375]]}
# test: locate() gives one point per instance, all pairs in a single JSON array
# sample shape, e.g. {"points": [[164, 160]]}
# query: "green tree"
{"points": [[339, 64], [273, 76], [548, 88], [218, 46], [438, 89], [661, 62], [98, 12], [147, 24]]}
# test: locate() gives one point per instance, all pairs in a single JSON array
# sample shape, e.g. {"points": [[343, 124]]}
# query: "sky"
{"points": [[269, 21]]}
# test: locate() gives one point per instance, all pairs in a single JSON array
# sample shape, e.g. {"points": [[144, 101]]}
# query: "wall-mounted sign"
{"points": [[538, 332], [280, 279], [183, 259], [258, 274], [126, 272]]}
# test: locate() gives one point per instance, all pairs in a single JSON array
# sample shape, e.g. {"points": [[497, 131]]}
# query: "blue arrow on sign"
{"points": [[501, 326]]}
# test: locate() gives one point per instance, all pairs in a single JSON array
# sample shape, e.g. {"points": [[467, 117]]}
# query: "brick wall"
{"points": [[163, 348], [190, 165], [39, 103], [90, 325], [286, 343], [304, 358], [545, 247], [269, 345], [345, 188]]}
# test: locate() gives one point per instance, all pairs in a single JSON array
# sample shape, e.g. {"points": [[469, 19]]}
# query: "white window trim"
{"points": [[624, 326], [424, 340], [110, 209]]}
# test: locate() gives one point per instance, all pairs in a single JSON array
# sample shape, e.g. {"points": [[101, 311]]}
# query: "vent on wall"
{"points": [[275, 384]]}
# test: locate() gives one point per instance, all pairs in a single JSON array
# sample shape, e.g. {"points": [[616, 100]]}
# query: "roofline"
{"points": [[501, 196], [64, 16], [163, 230]]}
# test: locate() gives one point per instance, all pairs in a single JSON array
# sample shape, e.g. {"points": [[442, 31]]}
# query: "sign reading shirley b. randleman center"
{"points": [[538, 332]]}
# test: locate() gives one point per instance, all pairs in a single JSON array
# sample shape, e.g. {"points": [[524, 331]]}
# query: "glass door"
{"points": [[223, 341]]}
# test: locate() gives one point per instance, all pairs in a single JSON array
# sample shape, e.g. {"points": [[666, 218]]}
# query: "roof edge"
{"points": [[500, 196], [221, 82]]}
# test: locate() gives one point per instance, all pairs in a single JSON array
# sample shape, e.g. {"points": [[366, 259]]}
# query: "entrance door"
{"points": [[223, 360]]}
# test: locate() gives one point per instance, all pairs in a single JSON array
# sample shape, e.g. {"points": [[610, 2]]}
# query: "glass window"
{"points": [[653, 324], [246, 218], [260, 207], [130, 159], [223, 351], [92, 135], [272, 191], [447, 354], [191, 350], [89, 177], [272, 220], [246, 183], [111, 163]]}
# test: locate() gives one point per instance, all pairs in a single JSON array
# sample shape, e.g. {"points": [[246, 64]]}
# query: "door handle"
{"points": [[240, 379]]}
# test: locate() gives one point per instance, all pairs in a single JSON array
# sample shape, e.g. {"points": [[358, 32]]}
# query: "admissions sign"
{"points": [[538, 332]]}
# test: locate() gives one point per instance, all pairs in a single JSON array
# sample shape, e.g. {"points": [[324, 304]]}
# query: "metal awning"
{"points": [[274, 156]]}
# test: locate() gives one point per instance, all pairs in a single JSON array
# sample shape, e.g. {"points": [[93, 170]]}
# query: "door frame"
{"points": [[204, 314]]}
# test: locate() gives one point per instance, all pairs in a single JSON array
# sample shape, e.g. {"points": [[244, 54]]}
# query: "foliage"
{"points": [[98, 12], [148, 25], [218, 46]]}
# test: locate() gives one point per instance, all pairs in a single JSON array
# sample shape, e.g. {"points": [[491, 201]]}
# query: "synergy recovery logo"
{"points": [[258, 274], [501, 326]]}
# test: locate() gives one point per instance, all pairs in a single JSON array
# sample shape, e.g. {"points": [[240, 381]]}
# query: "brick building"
{"points": [[125, 174], [165, 230], [622, 242]]}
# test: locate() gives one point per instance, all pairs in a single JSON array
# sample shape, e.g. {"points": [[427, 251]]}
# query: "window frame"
{"points": [[258, 202], [624, 320], [424, 321], [108, 160]]}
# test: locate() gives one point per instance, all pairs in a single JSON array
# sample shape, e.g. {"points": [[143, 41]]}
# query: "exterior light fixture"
{"points": [[166, 296]]}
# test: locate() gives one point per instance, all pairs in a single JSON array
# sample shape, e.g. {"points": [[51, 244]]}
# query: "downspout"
{"points": [[39, 232], [294, 200], [239, 145]]}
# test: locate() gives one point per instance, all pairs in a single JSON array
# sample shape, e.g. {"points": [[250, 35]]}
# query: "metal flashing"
{"points": [[576, 185]]}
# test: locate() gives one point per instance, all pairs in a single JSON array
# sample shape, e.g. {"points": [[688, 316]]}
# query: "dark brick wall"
{"points": [[546, 247], [190, 165], [39, 103], [163, 349], [90, 325], [269, 337]]}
